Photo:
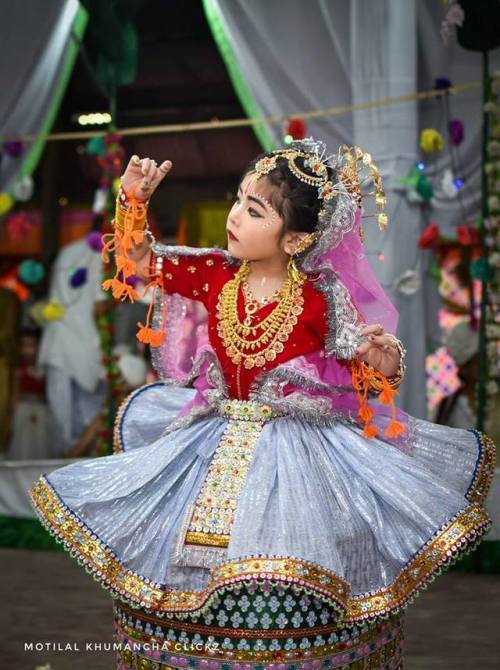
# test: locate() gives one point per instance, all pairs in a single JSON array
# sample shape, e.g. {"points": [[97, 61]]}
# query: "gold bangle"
{"points": [[134, 213]]}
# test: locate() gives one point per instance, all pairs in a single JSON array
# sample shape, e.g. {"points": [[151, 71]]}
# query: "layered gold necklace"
{"points": [[268, 336]]}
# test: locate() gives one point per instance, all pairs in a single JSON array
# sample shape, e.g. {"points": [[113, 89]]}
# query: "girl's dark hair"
{"points": [[296, 202]]}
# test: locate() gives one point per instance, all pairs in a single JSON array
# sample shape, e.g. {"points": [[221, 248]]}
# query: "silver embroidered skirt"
{"points": [[196, 522]]}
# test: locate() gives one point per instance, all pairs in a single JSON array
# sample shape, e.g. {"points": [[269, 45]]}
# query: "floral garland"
{"points": [[111, 163], [488, 268]]}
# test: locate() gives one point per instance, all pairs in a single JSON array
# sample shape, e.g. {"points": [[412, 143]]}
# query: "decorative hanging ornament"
{"points": [[100, 200], [296, 128], [448, 184], [11, 282], [53, 311], [431, 140], [14, 148], [95, 146], [23, 189], [94, 240], [456, 131], [408, 283], [429, 238], [31, 271], [18, 226], [468, 236], [6, 202]]}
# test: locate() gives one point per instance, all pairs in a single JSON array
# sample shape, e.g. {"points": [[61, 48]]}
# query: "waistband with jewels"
{"points": [[246, 410]]}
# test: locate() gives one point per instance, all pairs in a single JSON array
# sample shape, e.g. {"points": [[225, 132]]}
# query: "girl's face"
{"points": [[253, 225]]}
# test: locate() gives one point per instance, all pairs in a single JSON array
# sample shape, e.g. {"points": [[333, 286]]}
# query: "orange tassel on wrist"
{"points": [[364, 378], [130, 227]]}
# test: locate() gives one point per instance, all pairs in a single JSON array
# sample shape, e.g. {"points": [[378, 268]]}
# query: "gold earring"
{"points": [[292, 269], [304, 243]]}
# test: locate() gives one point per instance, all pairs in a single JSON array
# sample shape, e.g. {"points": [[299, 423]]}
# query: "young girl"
{"points": [[268, 505]]}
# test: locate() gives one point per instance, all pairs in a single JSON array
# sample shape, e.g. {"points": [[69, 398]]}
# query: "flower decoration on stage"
{"points": [[14, 148], [430, 237], [296, 128], [456, 132], [53, 311], [18, 226], [31, 271], [78, 278], [112, 159], [468, 236], [6, 202], [431, 140], [454, 18]]}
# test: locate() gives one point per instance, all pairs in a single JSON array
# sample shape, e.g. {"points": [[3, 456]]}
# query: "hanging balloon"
{"points": [[94, 240], [456, 131], [296, 128], [6, 202], [431, 140], [23, 189], [78, 278], [53, 311], [424, 187], [31, 271], [14, 149]]}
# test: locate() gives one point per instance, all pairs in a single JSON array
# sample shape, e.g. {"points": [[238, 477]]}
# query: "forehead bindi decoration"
{"points": [[249, 191]]}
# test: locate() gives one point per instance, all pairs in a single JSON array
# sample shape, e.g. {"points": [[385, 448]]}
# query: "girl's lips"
{"points": [[231, 236]]}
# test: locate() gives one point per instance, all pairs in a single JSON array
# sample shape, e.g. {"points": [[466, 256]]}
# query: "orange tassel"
{"points": [[129, 230], [150, 336], [370, 431], [362, 377]]}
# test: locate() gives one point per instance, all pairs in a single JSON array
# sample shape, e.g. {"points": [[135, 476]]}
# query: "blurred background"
{"points": [[209, 84]]}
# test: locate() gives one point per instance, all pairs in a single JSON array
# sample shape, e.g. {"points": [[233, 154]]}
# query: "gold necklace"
{"points": [[275, 328]]}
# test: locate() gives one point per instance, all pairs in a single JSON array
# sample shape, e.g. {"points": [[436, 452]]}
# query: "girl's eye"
{"points": [[254, 213]]}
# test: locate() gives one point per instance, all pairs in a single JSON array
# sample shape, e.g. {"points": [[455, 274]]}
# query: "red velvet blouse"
{"points": [[202, 278]]}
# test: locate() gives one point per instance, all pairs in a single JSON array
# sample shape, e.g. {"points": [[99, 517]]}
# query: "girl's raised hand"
{"points": [[142, 176]]}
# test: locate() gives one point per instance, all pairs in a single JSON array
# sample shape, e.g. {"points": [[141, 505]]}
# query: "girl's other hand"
{"points": [[142, 176], [379, 349]]}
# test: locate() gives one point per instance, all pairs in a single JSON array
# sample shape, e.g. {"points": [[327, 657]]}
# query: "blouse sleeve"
{"points": [[187, 271]]}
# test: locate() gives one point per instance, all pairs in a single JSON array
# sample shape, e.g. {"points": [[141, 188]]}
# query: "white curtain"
{"points": [[288, 57], [38, 54]]}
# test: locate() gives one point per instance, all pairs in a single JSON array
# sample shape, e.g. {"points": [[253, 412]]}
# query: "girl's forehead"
{"points": [[254, 183]]}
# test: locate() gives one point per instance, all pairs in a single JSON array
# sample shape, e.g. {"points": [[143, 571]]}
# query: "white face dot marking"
{"points": [[249, 190]]}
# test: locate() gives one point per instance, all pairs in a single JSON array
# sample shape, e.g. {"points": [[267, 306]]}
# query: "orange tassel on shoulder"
{"points": [[364, 377]]}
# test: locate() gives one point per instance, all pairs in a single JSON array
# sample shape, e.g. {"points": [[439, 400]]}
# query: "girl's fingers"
{"points": [[373, 328], [146, 162], [383, 340], [161, 172]]}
